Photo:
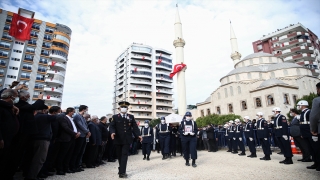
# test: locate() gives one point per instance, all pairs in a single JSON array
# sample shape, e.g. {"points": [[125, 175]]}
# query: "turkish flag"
{"points": [[52, 89], [135, 69], [53, 63], [48, 97], [134, 95], [159, 61], [177, 68], [20, 27], [142, 57]]}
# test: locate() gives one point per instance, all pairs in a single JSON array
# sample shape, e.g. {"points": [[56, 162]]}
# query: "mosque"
{"points": [[258, 83]]}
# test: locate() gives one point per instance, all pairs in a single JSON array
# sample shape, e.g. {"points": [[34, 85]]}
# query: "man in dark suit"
{"points": [[121, 129], [94, 142], [104, 137], [66, 139]]}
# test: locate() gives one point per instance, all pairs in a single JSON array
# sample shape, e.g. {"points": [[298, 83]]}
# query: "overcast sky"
{"points": [[102, 29]]}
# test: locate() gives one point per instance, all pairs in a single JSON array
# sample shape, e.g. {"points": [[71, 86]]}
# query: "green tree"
{"points": [[216, 119], [154, 122], [308, 98]]}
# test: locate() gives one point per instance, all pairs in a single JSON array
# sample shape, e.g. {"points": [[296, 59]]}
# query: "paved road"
{"points": [[219, 165]]}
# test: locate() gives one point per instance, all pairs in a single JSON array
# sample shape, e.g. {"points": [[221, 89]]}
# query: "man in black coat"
{"points": [[211, 137], [94, 142], [66, 139], [104, 137], [9, 126], [121, 129]]}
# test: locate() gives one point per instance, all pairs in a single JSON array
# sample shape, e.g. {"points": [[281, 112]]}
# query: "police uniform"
{"points": [[234, 139], [123, 126], [163, 135], [189, 141], [173, 143], [249, 134], [239, 135], [281, 133], [263, 134], [307, 136], [147, 139], [229, 137]]}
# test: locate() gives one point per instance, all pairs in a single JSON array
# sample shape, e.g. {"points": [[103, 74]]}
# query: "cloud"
{"points": [[101, 30]]}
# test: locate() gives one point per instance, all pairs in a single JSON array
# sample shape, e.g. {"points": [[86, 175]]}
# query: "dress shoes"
{"points": [[306, 160], [229, 151], [265, 158], [234, 152], [60, 173], [111, 160], [123, 175], [144, 158], [283, 161], [253, 155], [194, 165], [91, 166], [313, 166], [70, 171], [242, 154], [300, 159], [280, 153], [42, 175], [187, 164], [288, 161]]}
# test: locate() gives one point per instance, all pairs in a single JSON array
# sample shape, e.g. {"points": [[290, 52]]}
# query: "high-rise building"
{"points": [[294, 43], [142, 78], [41, 62]]}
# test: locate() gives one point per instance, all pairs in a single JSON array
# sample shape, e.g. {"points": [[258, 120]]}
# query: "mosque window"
{"points": [[258, 102], [251, 61], [285, 72], [270, 60], [219, 96], [208, 112], [231, 91], [260, 60], [294, 98], [273, 75], [237, 77], [270, 100], [225, 92], [218, 110], [249, 75], [286, 99], [202, 113], [230, 108], [239, 90], [260, 75], [243, 105]]}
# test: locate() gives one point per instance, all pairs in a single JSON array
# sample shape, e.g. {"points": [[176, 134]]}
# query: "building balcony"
{"points": [[142, 95], [299, 49], [140, 102], [140, 82], [164, 91], [304, 56], [163, 66], [164, 97], [166, 85], [53, 81], [162, 110], [141, 109], [58, 65], [52, 98], [142, 117], [53, 90], [54, 72], [291, 44], [140, 57], [56, 57], [137, 62], [137, 69], [164, 79], [137, 88], [291, 35], [141, 76]]}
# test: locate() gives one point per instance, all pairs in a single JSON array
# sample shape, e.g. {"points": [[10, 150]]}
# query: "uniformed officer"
{"points": [[310, 139], [163, 137], [239, 135], [230, 134], [281, 133], [147, 134], [248, 132], [173, 146], [188, 130], [225, 134], [262, 134], [121, 129]]}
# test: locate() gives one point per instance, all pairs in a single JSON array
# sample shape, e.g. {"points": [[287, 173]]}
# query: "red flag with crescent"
{"points": [[20, 27], [48, 97], [159, 60], [142, 57], [135, 69], [52, 88], [53, 63], [134, 96], [177, 68]]}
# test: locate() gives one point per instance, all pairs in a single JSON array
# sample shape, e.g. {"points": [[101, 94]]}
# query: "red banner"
{"points": [[20, 27], [177, 68], [48, 97], [53, 63]]}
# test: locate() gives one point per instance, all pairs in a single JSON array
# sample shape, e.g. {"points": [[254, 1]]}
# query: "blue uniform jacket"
{"points": [[264, 131], [248, 130], [147, 134], [280, 125], [194, 130], [163, 130], [305, 128], [239, 131]]}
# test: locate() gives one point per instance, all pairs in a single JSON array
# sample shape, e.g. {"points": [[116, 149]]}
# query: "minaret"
{"points": [[179, 44], [235, 55]]}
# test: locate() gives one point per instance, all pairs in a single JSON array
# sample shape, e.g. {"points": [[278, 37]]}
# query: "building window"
{"points": [[273, 75], [239, 90], [17, 51], [231, 91], [285, 72], [218, 110], [219, 96], [270, 60], [15, 59], [3, 63], [225, 92], [294, 98], [230, 108], [260, 75], [249, 75], [10, 76], [25, 75], [202, 113], [259, 47], [14, 68], [208, 112], [17, 42], [270, 100], [243, 105], [258, 102], [237, 77], [4, 53], [260, 60], [1, 72], [286, 99]]}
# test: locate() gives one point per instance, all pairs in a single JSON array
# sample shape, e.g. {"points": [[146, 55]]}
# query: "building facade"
{"points": [[40, 63], [142, 78], [258, 83], [294, 43]]}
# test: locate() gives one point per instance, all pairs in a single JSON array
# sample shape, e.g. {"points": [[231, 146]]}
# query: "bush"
{"points": [[216, 119], [154, 122]]}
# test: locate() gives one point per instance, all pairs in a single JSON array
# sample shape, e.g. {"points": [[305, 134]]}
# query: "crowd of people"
{"points": [[40, 141]]}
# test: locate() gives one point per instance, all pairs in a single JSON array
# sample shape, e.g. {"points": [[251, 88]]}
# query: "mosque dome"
{"points": [[271, 82], [261, 54]]}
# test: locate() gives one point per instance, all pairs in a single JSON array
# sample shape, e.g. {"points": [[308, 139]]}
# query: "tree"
{"points": [[308, 98], [216, 119], [154, 122]]}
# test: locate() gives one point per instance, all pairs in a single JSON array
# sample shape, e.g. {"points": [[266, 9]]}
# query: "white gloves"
{"points": [[315, 138], [265, 139], [185, 133], [191, 133], [157, 140], [240, 139], [285, 137], [251, 139], [234, 138]]}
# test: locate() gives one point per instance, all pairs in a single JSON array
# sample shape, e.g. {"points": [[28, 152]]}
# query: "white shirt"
{"points": [[73, 125]]}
